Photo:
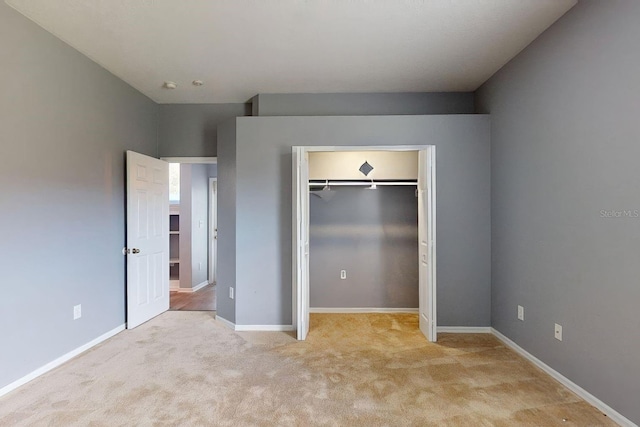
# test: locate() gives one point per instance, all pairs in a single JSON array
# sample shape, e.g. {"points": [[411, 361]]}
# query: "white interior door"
{"points": [[213, 229], [301, 239], [426, 238], [147, 238]]}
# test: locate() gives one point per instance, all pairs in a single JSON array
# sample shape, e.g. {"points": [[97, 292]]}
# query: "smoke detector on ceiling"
{"points": [[198, 82], [170, 85]]}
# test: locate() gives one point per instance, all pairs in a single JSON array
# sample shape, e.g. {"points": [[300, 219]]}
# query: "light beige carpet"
{"points": [[185, 368]]}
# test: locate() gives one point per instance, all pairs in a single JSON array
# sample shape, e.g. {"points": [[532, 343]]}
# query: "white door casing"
{"points": [[301, 240], [213, 229], [147, 238], [426, 243]]}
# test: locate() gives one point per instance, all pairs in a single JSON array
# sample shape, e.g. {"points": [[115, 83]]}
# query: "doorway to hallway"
{"points": [[193, 233]]}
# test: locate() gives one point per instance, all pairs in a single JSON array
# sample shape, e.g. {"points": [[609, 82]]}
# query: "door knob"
{"points": [[135, 251]]}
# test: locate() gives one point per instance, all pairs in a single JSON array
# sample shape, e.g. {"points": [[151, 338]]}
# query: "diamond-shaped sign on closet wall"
{"points": [[366, 168]]}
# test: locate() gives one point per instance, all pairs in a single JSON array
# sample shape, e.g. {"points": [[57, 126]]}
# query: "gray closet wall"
{"points": [[373, 235]]}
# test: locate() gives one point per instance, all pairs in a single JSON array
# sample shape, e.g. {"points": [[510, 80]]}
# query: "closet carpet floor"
{"points": [[187, 369]]}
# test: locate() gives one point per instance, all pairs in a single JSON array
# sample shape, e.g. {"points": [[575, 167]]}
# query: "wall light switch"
{"points": [[343, 274], [520, 312], [77, 311], [231, 293]]}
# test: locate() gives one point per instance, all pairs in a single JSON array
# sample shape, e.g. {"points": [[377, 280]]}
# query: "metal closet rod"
{"points": [[317, 182]]}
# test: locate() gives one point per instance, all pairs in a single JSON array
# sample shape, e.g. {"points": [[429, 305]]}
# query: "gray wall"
{"points": [[565, 133], [199, 224], [65, 124], [188, 130], [186, 224], [373, 235], [261, 184], [361, 104], [194, 211], [226, 262], [212, 169]]}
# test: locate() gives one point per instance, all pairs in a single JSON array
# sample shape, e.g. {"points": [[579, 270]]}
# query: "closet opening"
{"points": [[364, 232]]}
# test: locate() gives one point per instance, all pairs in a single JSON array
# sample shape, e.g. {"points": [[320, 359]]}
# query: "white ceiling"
{"points": [[243, 47]]}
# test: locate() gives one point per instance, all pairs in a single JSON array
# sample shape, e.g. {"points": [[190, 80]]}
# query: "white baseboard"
{"points": [[464, 329], [273, 328], [174, 285], [59, 361], [348, 310], [200, 286], [226, 322], [606, 409], [194, 289], [262, 328], [192, 160]]}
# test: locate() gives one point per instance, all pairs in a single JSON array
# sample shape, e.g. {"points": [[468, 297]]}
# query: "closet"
{"points": [[363, 222]]}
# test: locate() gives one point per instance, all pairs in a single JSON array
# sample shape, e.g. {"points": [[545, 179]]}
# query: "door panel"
{"points": [[147, 238], [301, 239], [426, 241]]}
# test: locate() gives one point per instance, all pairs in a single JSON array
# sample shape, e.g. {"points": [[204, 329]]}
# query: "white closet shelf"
{"points": [[174, 261], [174, 232]]}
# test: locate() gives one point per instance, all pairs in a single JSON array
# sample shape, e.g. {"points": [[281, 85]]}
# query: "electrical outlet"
{"points": [[520, 313], [343, 274], [77, 311], [558, 332], [231, 293]]}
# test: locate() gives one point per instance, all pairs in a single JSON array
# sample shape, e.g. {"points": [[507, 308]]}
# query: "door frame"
{"points": [[300, 306], [191, 160], [213, 229], [200, 161]]}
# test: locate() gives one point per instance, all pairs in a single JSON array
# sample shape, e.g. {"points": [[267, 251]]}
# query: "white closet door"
{"points": [[147, 238], [426, 237], [301, 239]]}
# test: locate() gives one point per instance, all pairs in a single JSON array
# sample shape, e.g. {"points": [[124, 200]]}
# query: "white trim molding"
{"points": [[192, 160], [265, 328], [191, 290], [258, 328], [229, 324], [350, 310], [60, 360], [464, 329], [591, 399], [200, 286]]}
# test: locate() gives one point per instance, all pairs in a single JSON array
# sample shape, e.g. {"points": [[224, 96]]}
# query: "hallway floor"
{"points": [[201, 300]]}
